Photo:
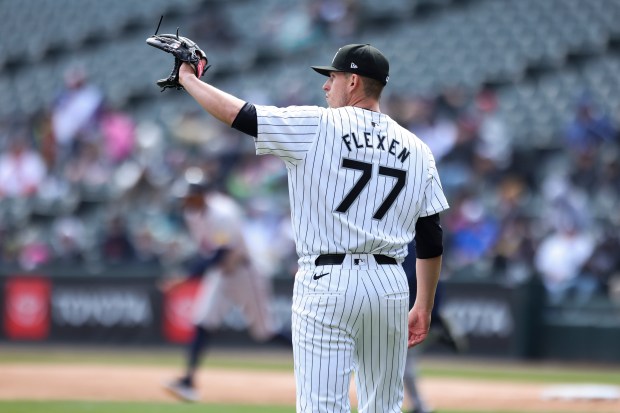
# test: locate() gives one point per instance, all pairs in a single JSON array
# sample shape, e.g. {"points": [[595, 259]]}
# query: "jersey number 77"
{"points": [[366, 168]]}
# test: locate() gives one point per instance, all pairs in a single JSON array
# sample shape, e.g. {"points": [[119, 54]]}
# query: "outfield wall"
{"points": [[124, 306]]}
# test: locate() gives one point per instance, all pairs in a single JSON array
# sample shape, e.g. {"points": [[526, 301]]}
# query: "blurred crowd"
{"points": [[83, 183], [519, 212]]}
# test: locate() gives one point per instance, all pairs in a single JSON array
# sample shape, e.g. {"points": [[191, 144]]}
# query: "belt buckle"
{"points": [[360, 260]]}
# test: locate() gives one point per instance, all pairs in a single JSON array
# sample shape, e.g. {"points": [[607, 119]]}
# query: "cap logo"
{"points": [[353, 65]]}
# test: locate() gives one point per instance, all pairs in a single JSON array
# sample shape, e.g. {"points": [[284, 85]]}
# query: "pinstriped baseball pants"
{"points": [[350, 319]]}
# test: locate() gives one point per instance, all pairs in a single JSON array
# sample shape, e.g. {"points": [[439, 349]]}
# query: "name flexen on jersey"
{"points": [[375, 141]]}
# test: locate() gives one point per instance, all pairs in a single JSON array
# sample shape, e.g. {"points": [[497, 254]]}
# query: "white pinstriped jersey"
{"points": [[358, 181]]}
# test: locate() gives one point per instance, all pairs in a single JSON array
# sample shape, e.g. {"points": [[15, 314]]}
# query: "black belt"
{"points": [[337, 259]]}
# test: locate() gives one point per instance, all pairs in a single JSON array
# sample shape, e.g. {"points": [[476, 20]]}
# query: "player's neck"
{"points": [[366, 103]]}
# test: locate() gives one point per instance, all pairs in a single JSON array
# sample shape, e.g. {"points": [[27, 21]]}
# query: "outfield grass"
{"points": [[283, 361], [522, 372], [106, 407], [280, 361]]}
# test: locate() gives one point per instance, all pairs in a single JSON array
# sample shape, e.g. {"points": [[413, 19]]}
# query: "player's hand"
{"points": [[419, 324]]}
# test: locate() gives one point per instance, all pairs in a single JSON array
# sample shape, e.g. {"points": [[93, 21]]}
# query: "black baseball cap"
{"points": [[361, 59]]}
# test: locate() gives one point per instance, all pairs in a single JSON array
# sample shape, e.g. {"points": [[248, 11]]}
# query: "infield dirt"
{"points": [[144, 383]]}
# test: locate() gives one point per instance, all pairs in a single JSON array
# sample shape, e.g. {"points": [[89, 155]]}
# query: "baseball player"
{"points": [[361, 187], [229, 278]]}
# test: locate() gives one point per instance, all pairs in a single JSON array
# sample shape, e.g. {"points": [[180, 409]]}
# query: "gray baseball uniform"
{"points": [[220, 224], [358, 182]]}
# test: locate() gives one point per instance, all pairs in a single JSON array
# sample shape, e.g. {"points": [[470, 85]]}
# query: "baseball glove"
{"points": [[183, 50]]}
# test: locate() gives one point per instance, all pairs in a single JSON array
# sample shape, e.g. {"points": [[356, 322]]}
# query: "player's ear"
{"points": [[354, 80]]}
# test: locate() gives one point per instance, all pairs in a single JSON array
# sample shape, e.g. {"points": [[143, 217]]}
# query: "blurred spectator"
{"points": [[473, 232], [253, 178], [589, 127], [8, 245], [74, 111], [22, 169], [118, 132], [605, 190], [117, 245], [463, 151], [440, 134], [339, 18], [192, 127], [559, 260], [604, 262], [147, 248], [33, 250], [564, 201], [494, 146], [451, 103], [44, 137], [290, 28], [514, 250], [210, 25], [609, 176], [585, 171], [88, 168], [68, 239]]}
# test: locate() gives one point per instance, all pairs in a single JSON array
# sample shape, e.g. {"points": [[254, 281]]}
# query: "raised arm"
{"points": [[221, 105]]}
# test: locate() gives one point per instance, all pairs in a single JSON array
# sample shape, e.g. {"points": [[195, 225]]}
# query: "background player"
{"points": [[360, 188], [229, 278]]}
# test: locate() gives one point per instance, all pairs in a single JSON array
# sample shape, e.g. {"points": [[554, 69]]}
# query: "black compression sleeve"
{"points": [[246, 120], [428, 237]]}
